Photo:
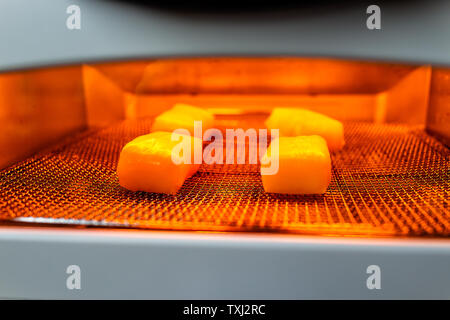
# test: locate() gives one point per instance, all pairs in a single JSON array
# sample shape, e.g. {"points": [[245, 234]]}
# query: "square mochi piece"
{"points": [[182, 116], [145, 164], [304, 166], [301, 122]]}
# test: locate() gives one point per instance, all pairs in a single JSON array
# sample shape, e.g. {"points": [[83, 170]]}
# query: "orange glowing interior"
{"points": [[391, 178], [342, 89]]}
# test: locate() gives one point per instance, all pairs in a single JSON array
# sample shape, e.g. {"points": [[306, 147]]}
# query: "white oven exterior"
{"points": [[132, 264]]}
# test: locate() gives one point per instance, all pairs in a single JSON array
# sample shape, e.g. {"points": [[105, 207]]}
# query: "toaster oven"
{"points": [[70, 99]]}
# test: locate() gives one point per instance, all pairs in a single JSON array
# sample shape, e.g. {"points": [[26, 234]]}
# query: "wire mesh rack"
{"points": [[388, 180]]}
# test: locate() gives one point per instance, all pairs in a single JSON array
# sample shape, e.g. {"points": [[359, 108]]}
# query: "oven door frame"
{"points": [[138, 264]]}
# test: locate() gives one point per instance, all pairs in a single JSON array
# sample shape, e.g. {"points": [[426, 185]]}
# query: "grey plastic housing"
{"points": [[34, 33]]}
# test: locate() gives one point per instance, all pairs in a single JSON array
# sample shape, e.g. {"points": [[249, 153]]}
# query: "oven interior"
{"points": [[62, 129]]}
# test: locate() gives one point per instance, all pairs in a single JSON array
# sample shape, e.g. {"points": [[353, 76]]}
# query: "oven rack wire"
{"points": [[389, 180]]}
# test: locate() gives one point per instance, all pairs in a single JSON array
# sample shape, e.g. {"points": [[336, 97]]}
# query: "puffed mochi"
{"points": [[147, 163], [304, 165], [301, 122], [182, 116]]}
